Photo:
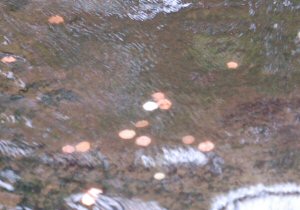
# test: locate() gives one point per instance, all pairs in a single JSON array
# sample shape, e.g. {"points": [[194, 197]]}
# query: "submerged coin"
{"points": [[8, 59], [127, 134], [150, 106], [232, 65], [143, 141], [159, 176], [141, 124], [188, 139], [164, 104], [206, 146], [158, 96], [83, 146], [68, 149], [56, 19], [88, 200]]}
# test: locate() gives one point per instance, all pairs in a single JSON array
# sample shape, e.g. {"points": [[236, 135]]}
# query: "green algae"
{"points": [[212, 53]]}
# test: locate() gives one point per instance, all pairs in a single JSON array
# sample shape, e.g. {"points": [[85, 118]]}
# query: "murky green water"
{"points": [[88, 78]]}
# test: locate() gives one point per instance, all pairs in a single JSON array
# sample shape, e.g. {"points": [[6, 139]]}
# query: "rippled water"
{"points": [[85, 80]]}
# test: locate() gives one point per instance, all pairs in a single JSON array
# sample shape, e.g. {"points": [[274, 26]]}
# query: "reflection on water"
{"points": [[161, 104], [149, 9], [280, 196]]}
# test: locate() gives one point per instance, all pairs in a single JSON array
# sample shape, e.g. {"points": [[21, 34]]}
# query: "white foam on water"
{"points": [[149, 9], [140, 10], [260, 197]]}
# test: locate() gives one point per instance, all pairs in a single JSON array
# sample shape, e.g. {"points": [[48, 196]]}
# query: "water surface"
{"points": [[88, 78]]}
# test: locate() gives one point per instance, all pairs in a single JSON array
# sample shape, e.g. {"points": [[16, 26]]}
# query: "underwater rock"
{"points": [[216, 163], [89, 159], [103, 202], [6, 186], [279, 197], [7, 178], [21, 149], [10, 175], [19, 83], [170, 156], [17, 148], [150, 157], [54, 97]]}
